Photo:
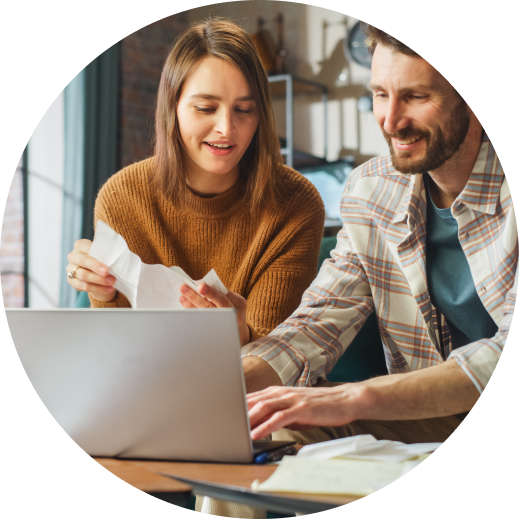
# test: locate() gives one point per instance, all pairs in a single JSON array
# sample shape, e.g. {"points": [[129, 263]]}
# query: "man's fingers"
{"points": [[276, 421], [266, 408], [258, 396]]}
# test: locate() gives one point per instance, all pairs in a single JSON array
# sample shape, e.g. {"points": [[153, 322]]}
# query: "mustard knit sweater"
{"points": [[269, 258]]}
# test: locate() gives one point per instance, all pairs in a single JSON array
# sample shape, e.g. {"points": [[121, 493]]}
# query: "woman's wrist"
{"points": [[104, 298]]}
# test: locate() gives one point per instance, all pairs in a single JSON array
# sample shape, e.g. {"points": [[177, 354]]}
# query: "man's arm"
{"points": [[440, 390], [259, 374]]}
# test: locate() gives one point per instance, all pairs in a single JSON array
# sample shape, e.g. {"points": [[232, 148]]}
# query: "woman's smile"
{"points": [[220, 148]]}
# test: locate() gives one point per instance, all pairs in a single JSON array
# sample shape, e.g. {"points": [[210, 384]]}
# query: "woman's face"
{"points": [[217, 118]]}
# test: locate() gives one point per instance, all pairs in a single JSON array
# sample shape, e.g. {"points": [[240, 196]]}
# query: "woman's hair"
{"points": [[260, 163]]}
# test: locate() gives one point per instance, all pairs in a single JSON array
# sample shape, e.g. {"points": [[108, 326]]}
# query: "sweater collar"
{"points": [[217, 206]]}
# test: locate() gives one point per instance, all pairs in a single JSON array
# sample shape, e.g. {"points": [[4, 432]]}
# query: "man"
{"points": [[429, 243]]}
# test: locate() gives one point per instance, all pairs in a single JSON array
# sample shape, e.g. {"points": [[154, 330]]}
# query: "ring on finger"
{"points": [[72, 273]]}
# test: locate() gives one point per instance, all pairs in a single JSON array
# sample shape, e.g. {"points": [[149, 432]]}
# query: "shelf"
{"points": [[287, 86]]}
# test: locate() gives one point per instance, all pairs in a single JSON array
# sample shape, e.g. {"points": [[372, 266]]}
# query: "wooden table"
{"points": [[145, 475]]}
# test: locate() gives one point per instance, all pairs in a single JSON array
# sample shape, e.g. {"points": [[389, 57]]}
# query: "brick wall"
{"points": [[11, 245], [142, 55]]}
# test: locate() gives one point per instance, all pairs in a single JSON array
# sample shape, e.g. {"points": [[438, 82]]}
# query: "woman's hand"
{"points": [[90, 275], [208, 297]]}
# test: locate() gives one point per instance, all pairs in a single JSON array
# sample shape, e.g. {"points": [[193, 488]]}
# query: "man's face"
{"points": [[422, 117]]}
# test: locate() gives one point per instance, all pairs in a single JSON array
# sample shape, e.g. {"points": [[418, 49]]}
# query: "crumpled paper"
{"points": [[145, 286]]}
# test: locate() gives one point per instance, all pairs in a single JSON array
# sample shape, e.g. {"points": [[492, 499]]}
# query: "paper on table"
{"points": [[145, 286], [336, 476], [366, 447]]}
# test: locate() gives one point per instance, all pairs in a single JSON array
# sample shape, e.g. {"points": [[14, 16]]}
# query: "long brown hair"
{"points": [[261, 161]]}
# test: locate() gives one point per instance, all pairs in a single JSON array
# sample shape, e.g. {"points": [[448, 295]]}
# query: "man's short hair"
{"points": [[376, 36]]}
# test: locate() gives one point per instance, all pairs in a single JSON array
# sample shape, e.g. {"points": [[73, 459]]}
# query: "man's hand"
{"points": [[301, 407], [208, 297], [441, 390]]}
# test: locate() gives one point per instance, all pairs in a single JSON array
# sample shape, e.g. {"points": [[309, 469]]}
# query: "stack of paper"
{"points": [[145, 286], [366, 447], [356, 466]]}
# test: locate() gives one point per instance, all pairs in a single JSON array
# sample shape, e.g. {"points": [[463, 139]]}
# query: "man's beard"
{"points": [[440, 144]]}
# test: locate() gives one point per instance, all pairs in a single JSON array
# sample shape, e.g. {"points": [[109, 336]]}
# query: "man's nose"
{"points": [[396, 118], [224, 123]]}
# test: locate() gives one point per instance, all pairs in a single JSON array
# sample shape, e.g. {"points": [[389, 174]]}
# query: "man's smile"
{"points": [[406, 144]]}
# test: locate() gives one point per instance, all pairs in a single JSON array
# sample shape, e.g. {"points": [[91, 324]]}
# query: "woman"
{"points": [[216, 193]]}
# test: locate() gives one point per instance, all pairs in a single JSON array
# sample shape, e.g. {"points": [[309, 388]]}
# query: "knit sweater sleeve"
{"points": [[277, 290]]}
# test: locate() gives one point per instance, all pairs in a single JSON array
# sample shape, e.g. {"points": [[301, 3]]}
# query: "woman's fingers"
{"points": [[207, 297], [189, 296], [85, 275], [82, 259], [239, 302], [217, 298], [88, 274]]}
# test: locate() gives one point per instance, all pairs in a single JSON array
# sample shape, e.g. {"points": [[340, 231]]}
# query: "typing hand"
{"points": [[208, 297], [299, 408]]}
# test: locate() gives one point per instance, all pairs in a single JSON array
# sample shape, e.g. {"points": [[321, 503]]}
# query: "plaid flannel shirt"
{"points": [[379, 265]]}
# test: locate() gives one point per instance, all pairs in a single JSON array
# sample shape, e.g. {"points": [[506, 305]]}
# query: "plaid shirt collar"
{"points": [[481, 192], [484, 186]]}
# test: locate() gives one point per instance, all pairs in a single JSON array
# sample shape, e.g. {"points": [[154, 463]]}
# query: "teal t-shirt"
{"points": [[450, 282]]}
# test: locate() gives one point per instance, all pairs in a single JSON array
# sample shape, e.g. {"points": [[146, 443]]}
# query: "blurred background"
{"points": [[319, 69]]}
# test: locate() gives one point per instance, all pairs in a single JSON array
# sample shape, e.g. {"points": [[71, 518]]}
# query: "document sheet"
{"points": [[335, 477], [145, 286], [357, 466]]}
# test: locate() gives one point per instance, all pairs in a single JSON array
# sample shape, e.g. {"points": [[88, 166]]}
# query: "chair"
{"points": [[82, 300]]}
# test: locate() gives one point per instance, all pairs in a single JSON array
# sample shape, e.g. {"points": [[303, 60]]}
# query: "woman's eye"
{"points": [[204, 109], [243, 111]]}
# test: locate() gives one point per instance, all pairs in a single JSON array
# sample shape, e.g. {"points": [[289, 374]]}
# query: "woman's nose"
{"points": [[224, 123]]}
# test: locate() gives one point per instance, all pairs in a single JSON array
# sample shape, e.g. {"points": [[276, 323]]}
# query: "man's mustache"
{"points": [[406, 133]]}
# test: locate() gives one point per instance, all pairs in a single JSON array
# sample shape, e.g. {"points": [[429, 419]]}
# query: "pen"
{"points": [[268, 457]]}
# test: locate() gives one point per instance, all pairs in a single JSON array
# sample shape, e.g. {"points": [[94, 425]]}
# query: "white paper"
{"points": [[366, 447], [145, 286], [334, 477]]}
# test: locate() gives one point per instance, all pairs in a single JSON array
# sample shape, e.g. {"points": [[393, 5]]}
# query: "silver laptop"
{"points": [[151, 384]]}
